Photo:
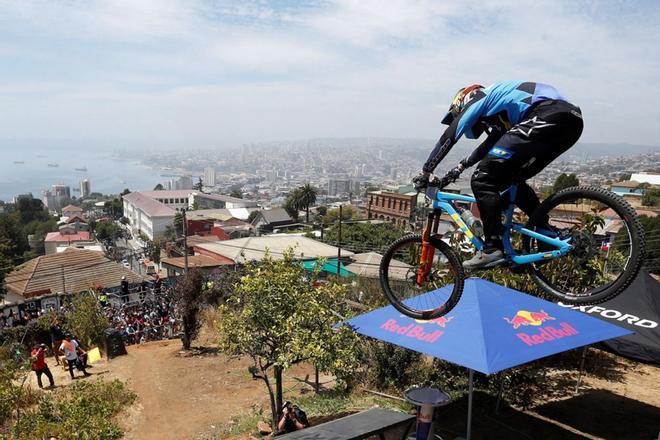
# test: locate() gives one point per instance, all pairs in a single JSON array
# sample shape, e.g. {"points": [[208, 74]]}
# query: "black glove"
{"points": [[454, 173], [421, 181]]}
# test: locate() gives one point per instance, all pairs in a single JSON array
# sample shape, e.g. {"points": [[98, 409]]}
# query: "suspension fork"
{"points": [[428, 251]]}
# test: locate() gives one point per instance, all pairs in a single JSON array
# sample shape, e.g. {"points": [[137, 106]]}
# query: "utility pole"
{"points": [[185, 242], [339, 243]]}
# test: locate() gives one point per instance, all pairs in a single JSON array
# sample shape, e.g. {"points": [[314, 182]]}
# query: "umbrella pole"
{"points": [[579, 379], [469, 420]]}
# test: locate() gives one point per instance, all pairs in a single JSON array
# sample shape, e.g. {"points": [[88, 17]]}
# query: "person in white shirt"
{"points": [[70, 348]]}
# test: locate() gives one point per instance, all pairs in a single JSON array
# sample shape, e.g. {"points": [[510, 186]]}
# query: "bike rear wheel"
{"points": [[608, 242], [398, 278]]}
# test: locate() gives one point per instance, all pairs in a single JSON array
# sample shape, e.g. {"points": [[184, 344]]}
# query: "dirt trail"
{"points": [[186, 397]]}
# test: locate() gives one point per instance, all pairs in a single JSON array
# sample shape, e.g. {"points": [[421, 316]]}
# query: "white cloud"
{"points": [[205, 70]]}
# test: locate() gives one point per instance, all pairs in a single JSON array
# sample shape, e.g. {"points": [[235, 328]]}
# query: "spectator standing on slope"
{"points": [[39, 365]]}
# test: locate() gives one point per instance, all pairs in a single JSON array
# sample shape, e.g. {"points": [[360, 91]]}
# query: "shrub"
{"points": [[81, 410]]}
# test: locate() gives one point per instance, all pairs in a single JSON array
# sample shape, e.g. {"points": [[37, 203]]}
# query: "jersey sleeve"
{"points": [[459, 126], [483, 148]]}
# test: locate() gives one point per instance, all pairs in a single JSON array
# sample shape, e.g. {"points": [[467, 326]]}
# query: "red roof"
{"points": [[67, 238]]}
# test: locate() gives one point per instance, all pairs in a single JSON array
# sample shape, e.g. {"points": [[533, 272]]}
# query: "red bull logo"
{"points": [[524, 317], [425, 331], [545, 333]]}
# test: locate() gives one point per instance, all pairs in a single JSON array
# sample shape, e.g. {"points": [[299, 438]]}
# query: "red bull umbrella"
{"points": [[491, 329]]}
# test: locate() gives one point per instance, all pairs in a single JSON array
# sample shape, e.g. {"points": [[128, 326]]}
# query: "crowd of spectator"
{"points": [[149, 320], [23, 317], [150, 317]]}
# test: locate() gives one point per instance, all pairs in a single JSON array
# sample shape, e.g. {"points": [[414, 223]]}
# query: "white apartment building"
{"points": [[85, 188], [209, 176], [151, 212]]}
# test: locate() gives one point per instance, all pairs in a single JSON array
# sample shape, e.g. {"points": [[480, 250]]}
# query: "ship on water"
{"points": [[19, 162], [53, 165], [83, 169]]}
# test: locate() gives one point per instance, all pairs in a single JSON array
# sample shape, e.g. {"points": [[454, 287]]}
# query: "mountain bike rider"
{"points": [[528, 126]]}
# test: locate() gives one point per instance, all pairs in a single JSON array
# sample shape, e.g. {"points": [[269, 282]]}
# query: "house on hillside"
{"points": [[272, 219], [66, 236], [243, 250], [71, 210], [70, 271]]}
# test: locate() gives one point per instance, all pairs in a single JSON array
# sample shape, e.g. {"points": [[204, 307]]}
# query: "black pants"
{"points": [[548, 130], [48, 374], [76, 363]]}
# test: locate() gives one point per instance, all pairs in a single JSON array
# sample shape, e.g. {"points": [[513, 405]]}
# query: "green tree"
{"points": [[114, 208], [108, 231], [279, 319], [194, 291], [236, 193], [307, 198], [292, 203], [651, 227], [565, 181], [364, 237], [252, 216], [348, 212], [651, 197], [86, 320], [159, 187], [31, 209], [124, 192], [13, 241]]}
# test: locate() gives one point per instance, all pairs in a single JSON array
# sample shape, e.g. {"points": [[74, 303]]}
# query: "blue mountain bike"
{"points": [[582, 245]]}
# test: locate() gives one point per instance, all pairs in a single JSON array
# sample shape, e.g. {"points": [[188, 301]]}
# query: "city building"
{"points": [[85, 188], [653, 179], [55, 197], [343, 186], [271, 219], [66, 236], [219, 201], [209, 176], [389, 206], [71, 210], [180, 183], [150, 212]]}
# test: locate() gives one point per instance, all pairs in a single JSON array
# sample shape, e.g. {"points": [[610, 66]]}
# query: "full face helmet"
{"points": [[459, 102]]}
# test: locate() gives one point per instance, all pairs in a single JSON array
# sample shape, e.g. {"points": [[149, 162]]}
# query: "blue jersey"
{"points": [[499, 106]]}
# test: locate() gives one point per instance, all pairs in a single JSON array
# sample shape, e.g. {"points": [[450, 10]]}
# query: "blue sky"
{"points": [[216, 73]]}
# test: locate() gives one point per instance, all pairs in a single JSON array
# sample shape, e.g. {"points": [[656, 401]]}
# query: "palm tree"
{"points": [[307, 197], [293, 204]]}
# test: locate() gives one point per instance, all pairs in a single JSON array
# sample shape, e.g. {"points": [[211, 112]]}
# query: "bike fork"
{"points": [[428, 251]]}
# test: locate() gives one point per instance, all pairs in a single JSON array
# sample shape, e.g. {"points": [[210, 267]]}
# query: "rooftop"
{"points": [[72, 208], [254, 248], [149, 205], [193, 261], [73, 270], [67, 238]]}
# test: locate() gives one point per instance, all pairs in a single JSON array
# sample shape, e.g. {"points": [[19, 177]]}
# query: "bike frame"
{"points": [[443, 201]]}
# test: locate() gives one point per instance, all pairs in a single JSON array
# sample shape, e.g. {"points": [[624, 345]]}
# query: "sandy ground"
{"points": [[182, 397]]}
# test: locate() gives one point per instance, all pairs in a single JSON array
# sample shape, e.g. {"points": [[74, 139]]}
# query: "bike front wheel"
{"points": [[607, 239], [441, 289]]}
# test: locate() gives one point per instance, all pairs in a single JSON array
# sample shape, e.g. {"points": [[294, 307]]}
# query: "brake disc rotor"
{"points": [[584, 246]]}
